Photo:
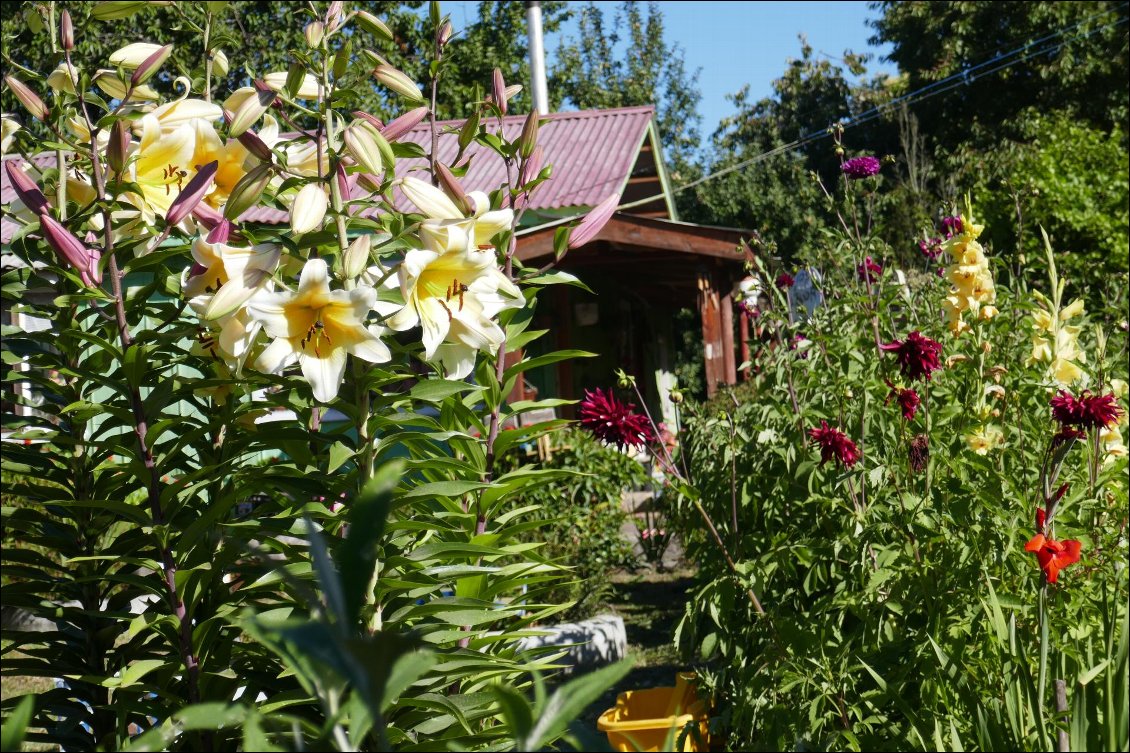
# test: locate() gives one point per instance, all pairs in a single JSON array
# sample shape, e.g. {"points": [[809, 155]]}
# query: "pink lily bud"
{"points": [[529, 138], [222, 232], [84, 260], [252, 143], [405, 123], [151, 65], [369, 182], [193, 193], [531, 167], [593, 222], [498, 91], [373, 121], [342, 183], [443, 35], [118, 146], [452, 188], [206, 215], [67, 31], [26, 188], [29, 99]]}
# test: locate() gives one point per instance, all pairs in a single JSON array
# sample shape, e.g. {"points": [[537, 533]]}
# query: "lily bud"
{"points": [[342, 182], [374, 25], [222, 232], [529, 138], [8, 129], [67, 31], [398, 82], [256, 146], [247, 191], [307, 85], [309, 208], [151, 65], [29, 99], [207, 216], [531, 167], [428, 199], [192, 194], [334, 14], [403, 124], [26, 188], [361, 143], [252, 108], [117, 148], [82, 259], [357, 256], [443, 35], [220, 63], [452, 188], [469, 130], [314, 32], [133, 55], [498, 91], [593, 222], [341, 59], [369, 182]]}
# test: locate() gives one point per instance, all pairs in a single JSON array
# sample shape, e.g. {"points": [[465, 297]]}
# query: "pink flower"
{"points": [[869, 270], [860, 167], [835, 444], [917, 356], [785, 280], [613, 421], [931, 248], [1086, 411], [951, 226]]}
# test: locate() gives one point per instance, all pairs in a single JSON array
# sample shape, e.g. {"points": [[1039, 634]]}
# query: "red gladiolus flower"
{"points": [[869, 270], [835, 444], [612, 421], [785, 280], [1041, 519], [1053, 555], [908, 400], [918, 356], [1086, 411]]}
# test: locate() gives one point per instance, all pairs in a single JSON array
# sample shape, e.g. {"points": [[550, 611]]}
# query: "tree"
{"points": [[595, 71]]}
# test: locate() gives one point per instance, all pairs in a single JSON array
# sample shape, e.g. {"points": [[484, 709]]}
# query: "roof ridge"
{"points": [[558, 115]]}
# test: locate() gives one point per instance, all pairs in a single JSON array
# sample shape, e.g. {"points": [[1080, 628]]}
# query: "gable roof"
{"points": [[594, 153]]}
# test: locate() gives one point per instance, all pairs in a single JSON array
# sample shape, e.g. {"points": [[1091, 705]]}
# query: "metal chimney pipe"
{"points": [[537, 58]]}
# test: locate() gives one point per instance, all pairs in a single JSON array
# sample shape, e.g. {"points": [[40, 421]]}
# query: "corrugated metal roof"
{"points": [[592, 153]]}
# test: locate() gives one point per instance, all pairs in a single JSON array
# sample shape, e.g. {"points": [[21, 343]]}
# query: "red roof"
{"points": [[592, 153]]}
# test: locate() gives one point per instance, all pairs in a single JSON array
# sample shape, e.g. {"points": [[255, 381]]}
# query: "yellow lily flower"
{"points": [[985, 439], [316, 327]]}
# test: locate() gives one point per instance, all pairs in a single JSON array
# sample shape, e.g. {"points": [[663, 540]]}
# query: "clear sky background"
{"points": [[735, 43]]}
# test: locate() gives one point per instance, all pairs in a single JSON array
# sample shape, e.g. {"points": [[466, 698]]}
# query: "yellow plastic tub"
{"points": [[643, 720]]}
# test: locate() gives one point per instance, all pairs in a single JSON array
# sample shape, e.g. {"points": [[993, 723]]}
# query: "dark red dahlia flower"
{"points": [[835, 444], [861, 167], [917, 356], [908, 400], [1086, 411], [613, 421], [869, 270], [785, 280]]}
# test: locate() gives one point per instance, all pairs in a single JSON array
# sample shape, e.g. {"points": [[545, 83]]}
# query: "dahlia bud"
{"points": [[29, 99], [67, 31], [309, 208], [117, 148], [676, 396], [399, 83], [192, 194]]}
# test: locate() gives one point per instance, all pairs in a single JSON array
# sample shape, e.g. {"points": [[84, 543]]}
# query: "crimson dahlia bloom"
{"points": [[1086, 411], [908, 400], [1053, 555], [860, 167], [869, 270], [918, 356], [835, 444], [785, 280], [613, 421]]}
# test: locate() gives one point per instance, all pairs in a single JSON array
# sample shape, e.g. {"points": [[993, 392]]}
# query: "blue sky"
{"points": [[735, 43]]}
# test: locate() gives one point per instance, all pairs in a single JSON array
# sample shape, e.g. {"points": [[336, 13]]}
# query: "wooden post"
{"points": [[726, 309], [743, 337], [711, 331]]}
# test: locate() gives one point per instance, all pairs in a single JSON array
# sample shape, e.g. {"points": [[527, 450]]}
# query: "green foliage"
{"points": [[583, 516], [901, 611]]}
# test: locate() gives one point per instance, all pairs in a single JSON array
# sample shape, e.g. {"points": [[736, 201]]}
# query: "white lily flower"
{"points": [[8, 127], [173, 114], [316, 327], [437, 206], [226, 277], [63, 79], [453, 291]]}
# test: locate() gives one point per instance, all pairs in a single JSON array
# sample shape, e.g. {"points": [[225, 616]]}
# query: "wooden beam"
{"points": [[726, 304], [708, 306], [647, 234]]}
